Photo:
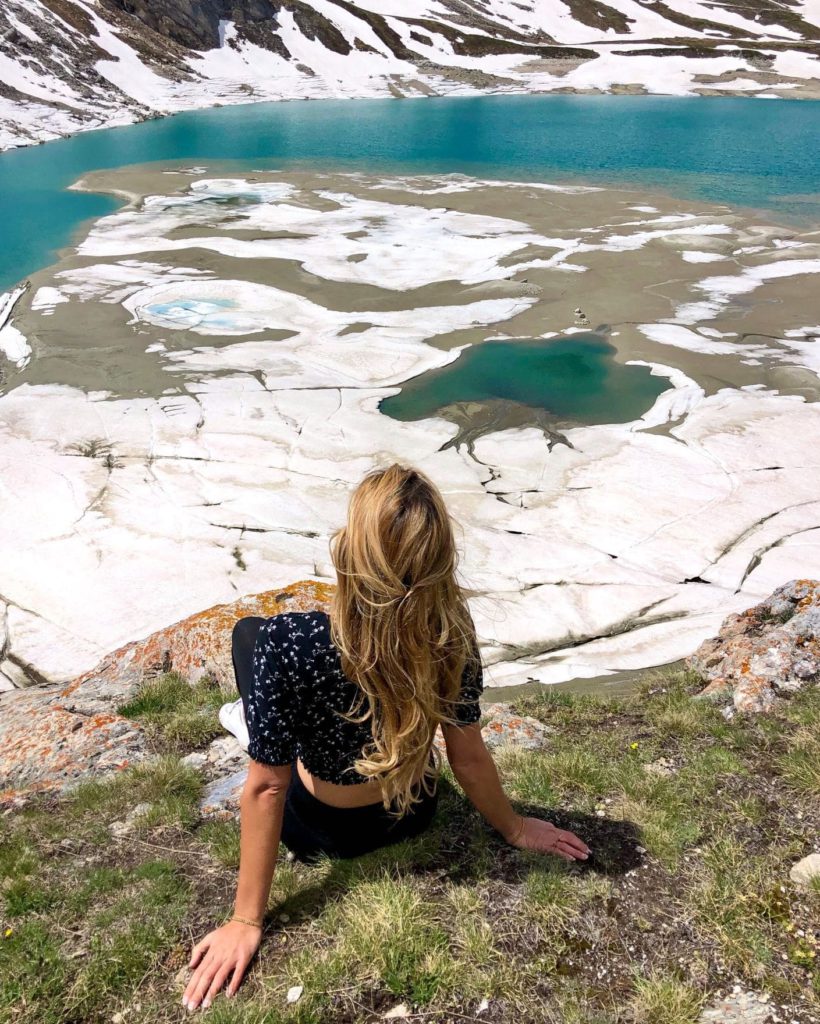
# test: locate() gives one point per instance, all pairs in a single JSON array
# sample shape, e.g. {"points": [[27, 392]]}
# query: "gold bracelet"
{"points": [[514, 839], [246, 920]]}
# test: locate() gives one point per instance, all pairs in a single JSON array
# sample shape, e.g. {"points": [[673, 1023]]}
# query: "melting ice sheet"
{"points": [[275, 315]]}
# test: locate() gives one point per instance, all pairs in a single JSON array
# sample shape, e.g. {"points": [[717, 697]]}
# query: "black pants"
{"points": [[311, 827]]}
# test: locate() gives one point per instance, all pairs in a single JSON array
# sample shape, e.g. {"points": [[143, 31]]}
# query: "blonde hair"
{"points": [[401, 624]]}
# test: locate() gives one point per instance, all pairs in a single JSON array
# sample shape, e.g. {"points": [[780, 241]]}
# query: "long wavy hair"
{"points": [[402, 626]]}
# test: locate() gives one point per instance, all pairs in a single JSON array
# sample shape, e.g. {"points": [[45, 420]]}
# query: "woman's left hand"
{"points": [[222, 956], [544, 837]]}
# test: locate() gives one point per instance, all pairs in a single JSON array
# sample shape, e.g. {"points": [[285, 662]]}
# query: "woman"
{"points": [[342, 709]]}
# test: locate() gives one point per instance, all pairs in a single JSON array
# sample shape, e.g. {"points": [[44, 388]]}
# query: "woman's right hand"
{"points": [[222, 956], [542, 837]]}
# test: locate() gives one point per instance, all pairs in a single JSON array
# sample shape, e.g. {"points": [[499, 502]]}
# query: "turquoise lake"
{"points": [[759, 154], [573, 378]]}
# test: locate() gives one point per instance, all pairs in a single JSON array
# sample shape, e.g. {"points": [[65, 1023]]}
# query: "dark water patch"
{"points": [[570, 379]]}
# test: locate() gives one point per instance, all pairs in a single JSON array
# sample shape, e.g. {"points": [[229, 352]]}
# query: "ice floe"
{"points": [[805, 343], [694, 256], [355, 239], [13, 344]]}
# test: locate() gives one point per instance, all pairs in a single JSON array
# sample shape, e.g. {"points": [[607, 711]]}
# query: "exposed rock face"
{"points": [[53, 736], [47, 743], [195, 647], [771, 649]]}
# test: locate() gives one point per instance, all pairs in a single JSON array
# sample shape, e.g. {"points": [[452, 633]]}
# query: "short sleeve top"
{"points": [[300, 695]]}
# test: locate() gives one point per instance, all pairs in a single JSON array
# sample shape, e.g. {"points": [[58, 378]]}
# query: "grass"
{"points": [[665, 999], [693, 821], [177, 716]]}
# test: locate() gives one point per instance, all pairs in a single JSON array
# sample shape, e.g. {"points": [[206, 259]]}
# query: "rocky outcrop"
{"points": [[54, 736], [195, 647], [769, 650]]}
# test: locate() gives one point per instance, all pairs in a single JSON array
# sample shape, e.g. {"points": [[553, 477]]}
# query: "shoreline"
{"points": [[808, 90]]}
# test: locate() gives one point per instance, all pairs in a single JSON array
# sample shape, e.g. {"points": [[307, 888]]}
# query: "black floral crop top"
{"points": [[299, 696]]}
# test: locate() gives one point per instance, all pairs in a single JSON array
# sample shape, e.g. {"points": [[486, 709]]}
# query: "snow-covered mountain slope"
{"points": [[66, 65]]}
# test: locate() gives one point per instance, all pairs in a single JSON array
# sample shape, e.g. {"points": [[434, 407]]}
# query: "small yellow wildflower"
{"points": [[8, 933], [633, 746]]}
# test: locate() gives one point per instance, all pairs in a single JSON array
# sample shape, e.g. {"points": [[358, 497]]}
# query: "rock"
{"points": [[805, 870], [663, 767], [771, 649], [225, 752], [221, 798], [54, 736], [194, 647], [13, 676], [295, 993], [42, 748], [121, 828], [738, 1008], [505, 727], [195, 760], [397, 1012]]}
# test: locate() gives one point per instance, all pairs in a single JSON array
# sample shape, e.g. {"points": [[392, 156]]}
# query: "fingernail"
{"points": [[206, 1003], [185, 1002]]}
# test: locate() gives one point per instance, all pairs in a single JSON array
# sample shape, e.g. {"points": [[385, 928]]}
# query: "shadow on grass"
{"points": [[615, 844], [458, 847]]}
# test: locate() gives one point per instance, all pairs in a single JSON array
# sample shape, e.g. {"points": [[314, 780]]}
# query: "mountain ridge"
{"points": [[70, 65]]}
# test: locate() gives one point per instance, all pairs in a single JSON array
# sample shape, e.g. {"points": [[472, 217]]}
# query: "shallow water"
{"points": [[572, 378], [745, 152]]}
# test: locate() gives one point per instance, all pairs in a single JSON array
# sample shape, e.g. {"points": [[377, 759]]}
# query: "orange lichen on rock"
{"points": [[201, 644], [51, 737], [770, 649]]}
